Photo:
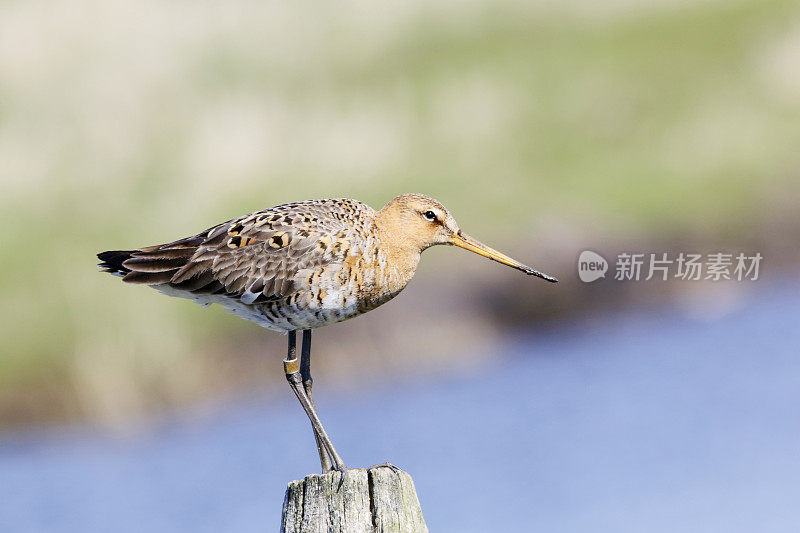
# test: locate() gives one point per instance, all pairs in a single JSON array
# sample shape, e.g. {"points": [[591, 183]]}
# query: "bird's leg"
{"points": [[291, 368], [308, 382]]}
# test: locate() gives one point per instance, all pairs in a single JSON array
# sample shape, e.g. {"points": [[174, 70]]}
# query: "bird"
{"points": [[299, 266]]}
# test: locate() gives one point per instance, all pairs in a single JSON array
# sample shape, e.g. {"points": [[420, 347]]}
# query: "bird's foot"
{"points": [[394, 469], [341, 467]]}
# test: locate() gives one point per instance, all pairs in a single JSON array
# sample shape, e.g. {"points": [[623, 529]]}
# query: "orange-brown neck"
{"points": [[398, 253]]}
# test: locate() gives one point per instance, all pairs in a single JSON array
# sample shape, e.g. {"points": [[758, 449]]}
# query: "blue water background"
{"points": [[634, 422]]}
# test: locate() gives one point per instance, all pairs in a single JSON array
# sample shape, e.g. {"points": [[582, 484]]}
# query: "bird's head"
{"points": [[418, 222]]}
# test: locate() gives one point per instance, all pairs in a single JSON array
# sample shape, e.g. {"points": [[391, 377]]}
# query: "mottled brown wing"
{"points": [[255, 257]]}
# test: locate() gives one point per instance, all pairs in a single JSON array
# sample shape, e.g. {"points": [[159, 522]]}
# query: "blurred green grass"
{"points": [[136, 126]]}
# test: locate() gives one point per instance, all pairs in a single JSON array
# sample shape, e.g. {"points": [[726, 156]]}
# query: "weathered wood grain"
{"points": [[378, 499]]}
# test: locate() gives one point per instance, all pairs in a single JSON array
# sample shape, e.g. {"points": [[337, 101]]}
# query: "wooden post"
{"points": [[378, 499]]}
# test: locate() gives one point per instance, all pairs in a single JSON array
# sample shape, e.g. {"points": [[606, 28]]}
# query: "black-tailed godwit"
{"points": [[300, 266]]}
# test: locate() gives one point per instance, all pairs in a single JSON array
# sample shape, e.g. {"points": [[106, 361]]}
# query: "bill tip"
{"points": [[546, 277]]}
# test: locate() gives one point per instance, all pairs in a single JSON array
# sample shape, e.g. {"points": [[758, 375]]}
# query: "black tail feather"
{"points": [[112, 261], [152, 265]]}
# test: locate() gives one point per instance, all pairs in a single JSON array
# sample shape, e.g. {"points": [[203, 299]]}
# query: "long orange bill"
{"points": [[462, 240]]}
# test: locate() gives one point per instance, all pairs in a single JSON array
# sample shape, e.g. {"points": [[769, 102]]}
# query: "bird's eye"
{"points": [[429, 215]]}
